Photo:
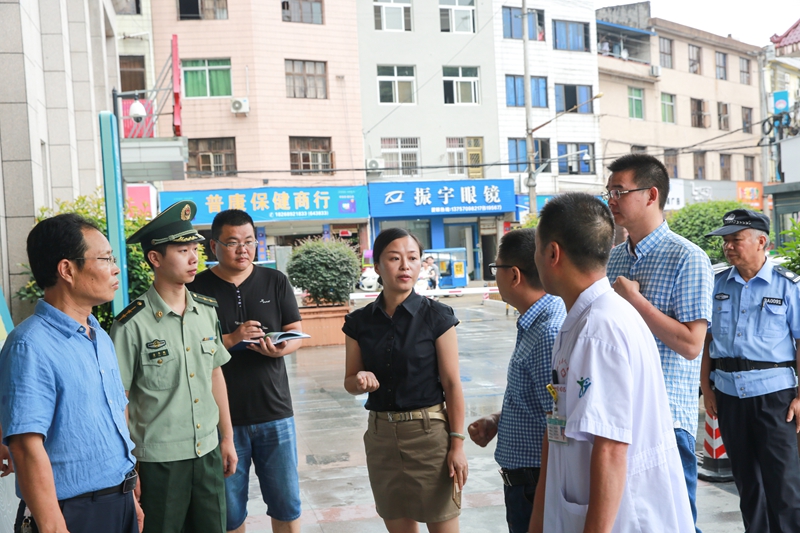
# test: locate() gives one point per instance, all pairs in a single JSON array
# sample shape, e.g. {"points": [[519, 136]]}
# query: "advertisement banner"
{"points": [[449, 198], [750, 193], [273, 204]]}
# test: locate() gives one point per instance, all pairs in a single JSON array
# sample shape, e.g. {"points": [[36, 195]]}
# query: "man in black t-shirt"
{"points": [[254, 300]]}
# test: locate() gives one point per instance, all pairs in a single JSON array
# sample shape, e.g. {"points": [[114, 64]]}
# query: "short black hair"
{"points": [[388, 236], [54, 239], [517, 248], [230, 217], [647, 172], [582, 225], [160, 248]]}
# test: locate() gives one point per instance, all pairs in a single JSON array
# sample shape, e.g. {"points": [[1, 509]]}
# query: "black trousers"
{"points": [[112, 513], [762, 448]]}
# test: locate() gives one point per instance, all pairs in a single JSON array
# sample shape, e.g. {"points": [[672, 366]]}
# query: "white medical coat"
{"points": [[607, 359]]}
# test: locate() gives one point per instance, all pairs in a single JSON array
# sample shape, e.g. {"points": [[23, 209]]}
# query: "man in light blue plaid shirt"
{"points": [[521, 424], [669, 281]]}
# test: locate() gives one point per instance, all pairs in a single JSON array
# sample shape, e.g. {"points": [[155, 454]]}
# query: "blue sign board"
{"points": [[275, 204], [447, 198], [781, 101], [524, 204]]}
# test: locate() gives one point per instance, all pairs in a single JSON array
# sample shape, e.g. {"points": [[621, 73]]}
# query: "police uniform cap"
{"points": [[172, 226], [739, 219]]}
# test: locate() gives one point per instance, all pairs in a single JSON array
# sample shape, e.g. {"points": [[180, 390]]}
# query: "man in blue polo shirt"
{"points": [[521, 423], [63, 406], [750, 358]]}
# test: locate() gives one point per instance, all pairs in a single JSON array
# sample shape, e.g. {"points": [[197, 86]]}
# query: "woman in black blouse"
{"points": [[402, 350]]}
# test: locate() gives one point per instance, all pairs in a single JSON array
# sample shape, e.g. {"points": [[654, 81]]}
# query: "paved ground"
{"points": [[330, 423]]}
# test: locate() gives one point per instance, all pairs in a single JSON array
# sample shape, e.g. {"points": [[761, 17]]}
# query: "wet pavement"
{"points": [[330, 422]]}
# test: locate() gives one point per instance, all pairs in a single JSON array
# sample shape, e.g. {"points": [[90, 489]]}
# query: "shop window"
{"points": [[420, 228], [202, 9], [305, 11], [210, 158], [512, 23], [311, 155]]}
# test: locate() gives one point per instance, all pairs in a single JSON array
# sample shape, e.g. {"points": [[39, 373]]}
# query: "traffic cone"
{"points": [[716, 466]]}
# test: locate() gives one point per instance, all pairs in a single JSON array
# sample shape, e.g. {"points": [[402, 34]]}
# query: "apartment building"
{"points": [[270, 98], [686, 96], [562, 59]]}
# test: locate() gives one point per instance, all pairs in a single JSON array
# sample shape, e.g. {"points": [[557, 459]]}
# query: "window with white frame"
{"points": [[400, 155], [306, 79], [311, 155], [460, 85], [456, 156], [392, 15], [204, 78], [306, 11], [457, 16], [395, 84], [668, 108], [635, 102]]}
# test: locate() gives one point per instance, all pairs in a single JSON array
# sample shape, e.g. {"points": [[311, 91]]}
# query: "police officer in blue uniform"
{"points": [[748, 375]]}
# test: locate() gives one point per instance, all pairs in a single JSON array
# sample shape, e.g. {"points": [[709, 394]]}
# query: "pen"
{"points": [[212, 338]]}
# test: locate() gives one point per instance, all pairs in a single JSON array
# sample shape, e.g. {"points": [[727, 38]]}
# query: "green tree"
{"points": [[326, 269], [791, 247], [695, 220], [92, 207], [531, 221]]}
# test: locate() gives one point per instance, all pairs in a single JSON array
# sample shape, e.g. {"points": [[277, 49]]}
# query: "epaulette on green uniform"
{"points": [[788, 274], [130, 311], [203, 299]]}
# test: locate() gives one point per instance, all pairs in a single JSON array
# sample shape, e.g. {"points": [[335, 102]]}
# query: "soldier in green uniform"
{"points": [[170, 350]]}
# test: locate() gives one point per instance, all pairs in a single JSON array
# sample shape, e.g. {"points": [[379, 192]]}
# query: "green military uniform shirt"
{"points": [[166, 361]]}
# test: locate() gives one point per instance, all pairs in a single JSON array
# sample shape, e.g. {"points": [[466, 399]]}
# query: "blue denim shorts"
{"points": [[272, 448]]}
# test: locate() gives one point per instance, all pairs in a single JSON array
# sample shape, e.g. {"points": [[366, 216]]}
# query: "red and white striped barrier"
{"points": [[430, 293], [716, 465]]}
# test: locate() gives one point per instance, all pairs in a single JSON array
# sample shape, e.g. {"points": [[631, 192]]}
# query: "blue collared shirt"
{"points": [[676, 277], [57, 382], [757, 320], [523, 419]]}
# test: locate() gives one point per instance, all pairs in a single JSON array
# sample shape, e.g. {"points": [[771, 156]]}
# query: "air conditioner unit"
{"points": [[375, 165], [655, 70], [240, 105]]}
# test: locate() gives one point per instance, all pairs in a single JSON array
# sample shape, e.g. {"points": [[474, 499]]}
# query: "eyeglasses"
{"points": [[110, 260], [616, 193], [250, 245], [494, 266]]}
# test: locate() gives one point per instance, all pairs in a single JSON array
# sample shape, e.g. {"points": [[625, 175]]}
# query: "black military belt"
{"points": [[737, 364], [519, 476], [125, 487]]}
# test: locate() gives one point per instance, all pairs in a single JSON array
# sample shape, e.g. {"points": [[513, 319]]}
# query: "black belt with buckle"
{"points": [[737, 364], [519, 476], [125, 487]]}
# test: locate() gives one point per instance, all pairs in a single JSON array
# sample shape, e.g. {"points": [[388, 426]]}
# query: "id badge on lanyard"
{"points": [[557, 421]]}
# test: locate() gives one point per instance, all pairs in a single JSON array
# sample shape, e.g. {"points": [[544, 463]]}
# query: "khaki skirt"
{"points": [[408, 473]]}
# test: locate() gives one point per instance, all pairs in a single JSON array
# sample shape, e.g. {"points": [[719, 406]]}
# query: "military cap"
{"points": [[172, 226]]}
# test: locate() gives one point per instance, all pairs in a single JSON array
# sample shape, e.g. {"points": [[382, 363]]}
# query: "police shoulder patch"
{"points": [[204, 299], [130, 311], [788, 274]]}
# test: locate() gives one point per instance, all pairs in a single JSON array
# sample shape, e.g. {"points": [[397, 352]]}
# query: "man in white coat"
{"points": [[610, 461]]}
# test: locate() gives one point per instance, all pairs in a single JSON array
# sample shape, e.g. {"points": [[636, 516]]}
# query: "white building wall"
{"points": [[559, 67]]}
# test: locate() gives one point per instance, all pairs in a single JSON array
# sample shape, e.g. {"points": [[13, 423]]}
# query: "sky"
{"points": [[752, 22]]}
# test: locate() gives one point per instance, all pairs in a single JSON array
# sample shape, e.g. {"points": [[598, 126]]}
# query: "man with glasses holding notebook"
{"points": [[254, 301], [668, 280]]}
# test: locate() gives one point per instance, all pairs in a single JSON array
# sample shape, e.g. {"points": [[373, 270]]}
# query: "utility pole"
{"points": [[763, 62], [530, 156]]}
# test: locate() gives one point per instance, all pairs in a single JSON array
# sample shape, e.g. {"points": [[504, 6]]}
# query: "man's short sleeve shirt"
{"points": [[258, 386], [166, 361], [526, 401], [676, 277], [59, 383], [757, 320]]}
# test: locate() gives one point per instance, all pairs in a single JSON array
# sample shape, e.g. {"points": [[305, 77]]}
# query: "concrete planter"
{"points": [[324, 324]]}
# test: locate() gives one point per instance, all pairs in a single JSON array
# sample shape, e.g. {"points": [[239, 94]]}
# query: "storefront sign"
{"points": [[676, 198], [422, 198], [750, 193], [276, 204]]}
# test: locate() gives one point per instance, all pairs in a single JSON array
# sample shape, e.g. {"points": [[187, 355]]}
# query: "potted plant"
{"points": [[327, 271]]}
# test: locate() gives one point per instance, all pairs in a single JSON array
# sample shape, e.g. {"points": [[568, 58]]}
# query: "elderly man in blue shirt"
{"points": [[63, 406], [521, 423], [748, 375]]}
